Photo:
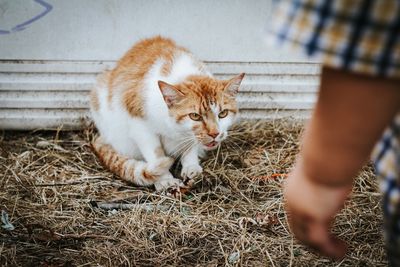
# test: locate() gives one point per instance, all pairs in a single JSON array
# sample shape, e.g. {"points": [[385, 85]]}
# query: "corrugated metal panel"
{"points": [[47, 94]]}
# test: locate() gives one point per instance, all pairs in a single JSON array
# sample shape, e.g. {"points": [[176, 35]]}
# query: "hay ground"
{"points": [[68, 211]]}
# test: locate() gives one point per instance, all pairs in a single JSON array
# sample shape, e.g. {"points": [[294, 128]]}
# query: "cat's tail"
{"points": [[130, 170]]}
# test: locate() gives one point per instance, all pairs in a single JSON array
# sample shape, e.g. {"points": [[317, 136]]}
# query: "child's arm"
{"points": [[350, 116]]}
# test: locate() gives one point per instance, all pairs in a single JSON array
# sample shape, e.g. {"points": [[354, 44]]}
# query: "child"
{"points": [[358, 42]]}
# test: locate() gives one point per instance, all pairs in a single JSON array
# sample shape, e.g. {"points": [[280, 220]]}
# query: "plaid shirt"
{"points": [[387, 165], [358, 35]]}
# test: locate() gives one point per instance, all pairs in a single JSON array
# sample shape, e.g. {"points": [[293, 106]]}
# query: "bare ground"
{"points": [[69, 211]]}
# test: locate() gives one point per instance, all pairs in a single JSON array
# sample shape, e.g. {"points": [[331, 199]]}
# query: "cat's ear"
{"points": [[232, 88], [170, 93]]}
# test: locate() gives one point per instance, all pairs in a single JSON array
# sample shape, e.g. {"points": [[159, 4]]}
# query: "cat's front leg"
{"points": [[158, 163], [190, 165]]}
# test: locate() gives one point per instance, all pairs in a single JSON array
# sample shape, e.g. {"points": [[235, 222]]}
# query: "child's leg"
{"points": [[350, 116]]}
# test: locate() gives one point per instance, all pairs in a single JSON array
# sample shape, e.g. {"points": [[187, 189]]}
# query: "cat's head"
{"points": [[203, 105]]}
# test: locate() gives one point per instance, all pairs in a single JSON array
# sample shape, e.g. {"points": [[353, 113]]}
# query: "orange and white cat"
{"points": [[159, 104]]}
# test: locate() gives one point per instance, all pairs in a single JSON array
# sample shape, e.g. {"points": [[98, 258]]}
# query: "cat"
{"points": [[159, 104]]}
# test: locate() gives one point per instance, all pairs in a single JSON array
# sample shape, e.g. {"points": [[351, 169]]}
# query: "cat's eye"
{"points": [[195, 116], [223, 114]]}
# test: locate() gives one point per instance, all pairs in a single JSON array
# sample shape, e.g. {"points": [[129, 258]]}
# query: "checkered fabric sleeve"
{"points": [[386, 156], [358, 35]]}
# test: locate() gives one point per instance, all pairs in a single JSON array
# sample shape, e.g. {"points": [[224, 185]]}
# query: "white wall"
{"points": [[215, 30], [48, 64]]}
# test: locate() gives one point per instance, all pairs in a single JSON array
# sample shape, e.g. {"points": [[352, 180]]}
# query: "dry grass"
{"points": [[58, 198]]}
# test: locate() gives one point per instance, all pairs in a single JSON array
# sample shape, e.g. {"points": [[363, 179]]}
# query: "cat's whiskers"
{"points": [[189, 148], [194, 143], [232, 145], [180, 147], [233, 138], [185, 149], [233, 133], [183, 140], [232, 141], [200, 138]]}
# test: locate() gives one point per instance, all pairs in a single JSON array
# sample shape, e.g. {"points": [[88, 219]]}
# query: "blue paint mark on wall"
{"points": [[23, 25]]}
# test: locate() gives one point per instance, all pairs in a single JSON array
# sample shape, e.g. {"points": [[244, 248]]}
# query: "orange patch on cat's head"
{"points": [[201, 99]]}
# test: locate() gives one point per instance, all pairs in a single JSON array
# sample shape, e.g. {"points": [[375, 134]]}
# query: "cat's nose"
{"points": [[213, 134]]}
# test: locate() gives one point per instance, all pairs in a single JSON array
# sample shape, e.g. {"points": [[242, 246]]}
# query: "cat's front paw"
{"points": [[191, 171], [161, 166], [168, 182]]}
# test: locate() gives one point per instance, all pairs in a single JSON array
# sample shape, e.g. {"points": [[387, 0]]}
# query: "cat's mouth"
{"points": [[211, 145]]}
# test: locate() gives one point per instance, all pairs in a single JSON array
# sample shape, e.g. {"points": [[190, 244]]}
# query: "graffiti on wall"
{"points": [[24, 24]]}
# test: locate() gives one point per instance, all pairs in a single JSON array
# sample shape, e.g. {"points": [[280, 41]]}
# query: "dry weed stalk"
{"points": [[68, 211]]}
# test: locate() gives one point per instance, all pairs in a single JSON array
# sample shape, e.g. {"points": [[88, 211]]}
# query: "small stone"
{"points": [[152, 236], [234, 257], [296, 253], [5, 221], [112, 212]]}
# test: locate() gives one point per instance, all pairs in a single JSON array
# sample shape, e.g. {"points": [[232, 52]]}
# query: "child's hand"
{"points": [[351, 113], [311, 208]]}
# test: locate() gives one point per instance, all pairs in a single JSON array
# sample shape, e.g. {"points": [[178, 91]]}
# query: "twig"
{"points": [[128, 206], [78, 181]]}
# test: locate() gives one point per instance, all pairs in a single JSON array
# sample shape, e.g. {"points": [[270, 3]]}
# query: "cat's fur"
{"points": [[160, 103]]}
